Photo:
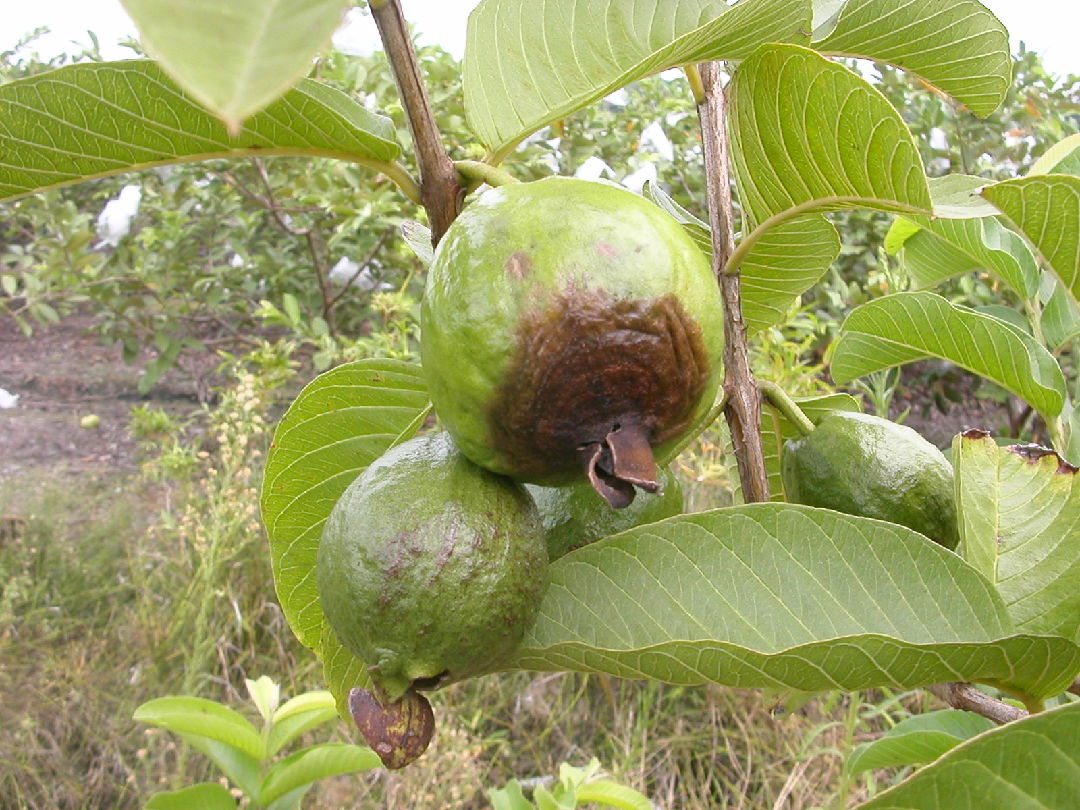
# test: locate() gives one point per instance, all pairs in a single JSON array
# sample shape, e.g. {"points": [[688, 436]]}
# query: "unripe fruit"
{"points": [[430, 569], [868, 466], [570, 330]]}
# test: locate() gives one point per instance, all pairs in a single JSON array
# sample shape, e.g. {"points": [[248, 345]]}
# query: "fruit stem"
{"points": [[440, 192], [743, 411], [471, 170], [778, 398], [693, 76]]}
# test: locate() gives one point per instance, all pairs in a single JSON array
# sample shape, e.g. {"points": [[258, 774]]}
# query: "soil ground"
{"points": [[60, 375]]}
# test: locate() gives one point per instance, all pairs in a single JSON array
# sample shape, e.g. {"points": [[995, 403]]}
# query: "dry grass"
{"points": [[93, 586]]}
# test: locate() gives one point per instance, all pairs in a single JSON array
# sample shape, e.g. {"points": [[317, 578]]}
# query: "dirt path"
{"points": [[60, 375]]}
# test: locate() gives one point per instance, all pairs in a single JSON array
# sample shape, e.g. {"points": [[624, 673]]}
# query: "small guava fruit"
{"points": [[869, 466], [430, 568], [575, 516], [571, 329]]}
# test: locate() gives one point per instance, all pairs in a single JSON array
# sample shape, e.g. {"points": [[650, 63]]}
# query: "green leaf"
{"points": [[341, 422], [1061, 158], [302, 713], [237, 57], [779, 595], [342, 671], [313, 764], [204, 796], [265, 694], [776, 429], [905, 327], [918, 740], [418, 238], [612, 794], [956, 196], [958, 46], [239, 767], [940, 249], [205, 718], [1030, 764], [808, 135], [528, 64], [1019, 523], [95, 119], [510, 797], [783, 264], [1046, 208], [1060, 316]]}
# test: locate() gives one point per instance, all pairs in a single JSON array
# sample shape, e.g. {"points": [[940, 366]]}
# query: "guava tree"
{"points": [[763, 594]]}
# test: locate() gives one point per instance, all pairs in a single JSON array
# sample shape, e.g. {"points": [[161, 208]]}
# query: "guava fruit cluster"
{"points": [[868, 466], [572, 336]]}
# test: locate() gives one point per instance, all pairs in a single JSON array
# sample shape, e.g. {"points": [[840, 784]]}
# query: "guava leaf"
{"points": [[1030, 764], [958, 46], [1020, 527], [956, 196], [342, 671], [809, 135], [1060, 317], [904, 327], [784, 262], [312, 764], [237, 57], [193, 715], [785, 596], [341, 422], [1061, 158], [940, 249], [776, 429], [918, 740], [91, 120], [205, 796], [1046, 209], [302, 713], [528, 64]]}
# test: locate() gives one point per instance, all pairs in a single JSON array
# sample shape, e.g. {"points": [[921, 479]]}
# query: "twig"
{"points": [[317, 248], [440, 191], [743, 409], [1075, 688], [967, 697]]}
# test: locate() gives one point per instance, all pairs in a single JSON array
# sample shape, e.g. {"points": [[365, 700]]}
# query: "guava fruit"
{"points": [[570, 329], [868, 466], [430, 568], [575, 516]]}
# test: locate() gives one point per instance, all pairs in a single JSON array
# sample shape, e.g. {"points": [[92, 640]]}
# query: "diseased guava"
{"points": [[430, 568], [868, 466], [571, 329], [575, 516]]}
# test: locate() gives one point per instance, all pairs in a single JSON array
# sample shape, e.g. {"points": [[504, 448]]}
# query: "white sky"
{"points": [[1047, 26]]}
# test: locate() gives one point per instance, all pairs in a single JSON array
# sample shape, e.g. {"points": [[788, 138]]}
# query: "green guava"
{"points": [[575, 516], [868, 466], [430, 569], [571, 329]]}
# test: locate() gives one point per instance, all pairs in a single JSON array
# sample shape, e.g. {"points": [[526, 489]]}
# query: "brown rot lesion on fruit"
{"points": [[398, 731], [594, 384]]}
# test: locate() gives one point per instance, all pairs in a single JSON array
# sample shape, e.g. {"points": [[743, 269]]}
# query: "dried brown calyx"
{"points": [[596, 382], [398, 731]]}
